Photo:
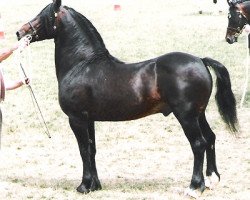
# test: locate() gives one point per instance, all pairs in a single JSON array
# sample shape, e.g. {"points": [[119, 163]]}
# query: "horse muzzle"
{"points": [[20, 34], [231, 40]]}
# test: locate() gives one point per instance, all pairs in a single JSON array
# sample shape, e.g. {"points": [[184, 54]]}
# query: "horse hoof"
{"points": [[82, 189], [93, 186], [192, 193], [212, 181]]}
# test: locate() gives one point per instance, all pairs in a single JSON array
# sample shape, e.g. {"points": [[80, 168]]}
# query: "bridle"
{"points": [[34, 31]]}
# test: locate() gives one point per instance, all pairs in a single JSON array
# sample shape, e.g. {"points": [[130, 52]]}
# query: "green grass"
{"points": [[148, 158]]}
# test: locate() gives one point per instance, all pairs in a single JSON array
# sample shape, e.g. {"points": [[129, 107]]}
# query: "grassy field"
{"points": [[148, 158]]}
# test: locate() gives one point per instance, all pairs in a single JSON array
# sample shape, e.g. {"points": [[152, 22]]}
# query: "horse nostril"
{"points": [[229, 40], [18, 35]]}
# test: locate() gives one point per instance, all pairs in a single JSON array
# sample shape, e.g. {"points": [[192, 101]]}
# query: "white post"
{"points": [[246, 72]]}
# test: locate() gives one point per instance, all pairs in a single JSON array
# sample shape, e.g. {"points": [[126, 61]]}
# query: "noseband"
{"points": [[33, 31]]}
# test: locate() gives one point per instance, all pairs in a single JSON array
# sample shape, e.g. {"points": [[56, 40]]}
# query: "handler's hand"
{"points": [[27, 81]]}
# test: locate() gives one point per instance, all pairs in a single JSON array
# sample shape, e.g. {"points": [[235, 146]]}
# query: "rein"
{"points": [[33, 97]]}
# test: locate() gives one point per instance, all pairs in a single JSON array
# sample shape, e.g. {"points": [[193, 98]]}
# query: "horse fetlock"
{"points": [[197, 183], [95, 184], [212, 181]]}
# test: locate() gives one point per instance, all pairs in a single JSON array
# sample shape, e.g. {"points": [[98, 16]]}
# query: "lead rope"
{"points": [[38, 111]]}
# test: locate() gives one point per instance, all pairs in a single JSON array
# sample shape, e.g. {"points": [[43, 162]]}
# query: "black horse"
{"points": [[238, 17], [95, 86]]}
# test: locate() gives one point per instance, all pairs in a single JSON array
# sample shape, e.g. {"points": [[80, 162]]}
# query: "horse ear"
{"points": [[229, 2], [233, 2], [57, 4]]}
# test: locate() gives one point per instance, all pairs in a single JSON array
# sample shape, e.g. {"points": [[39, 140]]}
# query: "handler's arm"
{"points": [[11, 85], [5, 53]]}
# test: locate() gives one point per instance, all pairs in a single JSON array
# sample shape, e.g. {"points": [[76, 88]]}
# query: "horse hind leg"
{"points": [[190, 124], [212, 175]]}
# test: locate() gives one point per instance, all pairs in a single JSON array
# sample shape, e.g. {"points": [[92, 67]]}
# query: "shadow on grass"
{"points": [[137, 184], [121, 184]]}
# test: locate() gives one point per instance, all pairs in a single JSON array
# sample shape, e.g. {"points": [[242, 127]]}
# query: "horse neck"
{"points": [[245, 7], [77, 41]]}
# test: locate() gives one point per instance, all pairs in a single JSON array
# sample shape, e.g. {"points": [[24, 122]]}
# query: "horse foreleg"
{"points": [[85, 135], [95, 184], [212, 175]]}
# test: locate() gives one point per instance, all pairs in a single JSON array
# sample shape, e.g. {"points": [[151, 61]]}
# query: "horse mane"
{"points": [[93, 34]]}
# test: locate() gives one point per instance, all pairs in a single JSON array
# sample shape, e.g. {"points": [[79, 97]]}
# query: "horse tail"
{"points": [[224, 96]]}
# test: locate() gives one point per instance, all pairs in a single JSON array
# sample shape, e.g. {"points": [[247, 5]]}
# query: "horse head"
{"points": [[237, 19], [44, 25]]}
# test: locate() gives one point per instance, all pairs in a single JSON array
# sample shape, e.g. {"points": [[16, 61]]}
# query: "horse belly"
{"points": [[120, 111]]}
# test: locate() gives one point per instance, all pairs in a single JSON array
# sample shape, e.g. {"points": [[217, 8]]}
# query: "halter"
{"points": [[238, 30]]}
